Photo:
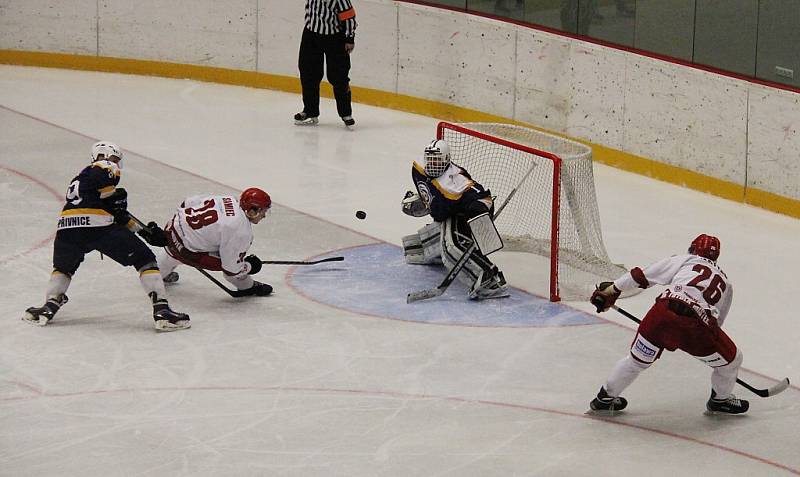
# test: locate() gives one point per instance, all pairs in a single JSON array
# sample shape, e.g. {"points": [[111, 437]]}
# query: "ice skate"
{"points": [[303, 119], [606, 405], [42, 315], [489, 285], [172, 277], [732, 405], [165, 318], [259, 289], [168, 320], [349, 122]]}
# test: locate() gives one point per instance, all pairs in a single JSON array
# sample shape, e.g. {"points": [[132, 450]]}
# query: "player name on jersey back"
{"points": [[73, 218]]}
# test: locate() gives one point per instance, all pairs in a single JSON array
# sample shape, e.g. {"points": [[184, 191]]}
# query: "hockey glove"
{"points": [[605, 296], [117, 204], [413, 205], [255, 264], [154, 235]]}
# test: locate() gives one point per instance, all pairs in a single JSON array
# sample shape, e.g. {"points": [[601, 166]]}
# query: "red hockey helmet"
{"points": [[254, 198], [705, 246]]}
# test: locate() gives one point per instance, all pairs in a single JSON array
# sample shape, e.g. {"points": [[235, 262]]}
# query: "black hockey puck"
{"points": [[361, 215]]}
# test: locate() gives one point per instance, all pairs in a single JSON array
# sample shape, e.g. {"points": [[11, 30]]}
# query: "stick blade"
{"points": [[423, 295], [778, 388]]}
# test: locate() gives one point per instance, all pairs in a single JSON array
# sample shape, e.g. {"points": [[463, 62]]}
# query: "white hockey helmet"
{"points": [[437, 157], [106, 149]]}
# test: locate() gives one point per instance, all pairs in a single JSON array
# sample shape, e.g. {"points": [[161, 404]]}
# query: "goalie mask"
{"points": [[107, 150], [706, 246], [437, 158]]}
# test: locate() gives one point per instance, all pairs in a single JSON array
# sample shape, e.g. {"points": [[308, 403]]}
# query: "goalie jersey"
{"points": [[452, 193], [84, 205]]}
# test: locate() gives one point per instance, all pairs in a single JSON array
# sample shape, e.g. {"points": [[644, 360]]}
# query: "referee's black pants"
{"points": [[315, 49]]}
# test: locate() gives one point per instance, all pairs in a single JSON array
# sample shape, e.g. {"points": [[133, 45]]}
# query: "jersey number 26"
{"points": [[714, 290]]}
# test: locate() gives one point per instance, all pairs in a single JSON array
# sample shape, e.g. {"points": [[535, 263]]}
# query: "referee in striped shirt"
{"points": [[329, 35]]}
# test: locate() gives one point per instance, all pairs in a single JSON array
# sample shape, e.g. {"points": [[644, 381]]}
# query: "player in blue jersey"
{"points": [[95, 217]]}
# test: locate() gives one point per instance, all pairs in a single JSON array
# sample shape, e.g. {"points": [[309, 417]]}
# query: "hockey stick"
{"points": [[300, 262], [233, 293], [778, 388], [459, 265]]}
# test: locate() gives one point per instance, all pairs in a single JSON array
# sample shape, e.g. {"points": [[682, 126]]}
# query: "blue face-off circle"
{"points": [[374, 280]]}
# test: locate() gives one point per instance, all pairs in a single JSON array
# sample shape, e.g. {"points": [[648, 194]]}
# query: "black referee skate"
{"points": [[349, 121], [165, 318], [303, 119], [732, 405], [605, 404], [41, 315]]}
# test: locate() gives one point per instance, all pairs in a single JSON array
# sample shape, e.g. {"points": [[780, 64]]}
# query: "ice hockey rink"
{"points": [[335, 375]]}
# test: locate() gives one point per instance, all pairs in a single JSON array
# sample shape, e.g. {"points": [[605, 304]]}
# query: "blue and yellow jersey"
{"points": [[449, 194], [84, 205]]}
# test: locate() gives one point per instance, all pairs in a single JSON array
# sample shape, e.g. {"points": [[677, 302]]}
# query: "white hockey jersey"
{"points": [[216, 225], [694, 280]]}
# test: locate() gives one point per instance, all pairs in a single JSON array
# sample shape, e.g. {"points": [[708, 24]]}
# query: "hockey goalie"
{"points": [[463, 215]]}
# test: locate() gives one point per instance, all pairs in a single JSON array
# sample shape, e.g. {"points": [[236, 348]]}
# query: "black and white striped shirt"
{"points": [[331, 16]]}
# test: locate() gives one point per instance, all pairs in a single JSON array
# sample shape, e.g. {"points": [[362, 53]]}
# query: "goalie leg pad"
{"points": [[412, 250], [481, 276], [453, 246], [424, 247], [430, 236]]}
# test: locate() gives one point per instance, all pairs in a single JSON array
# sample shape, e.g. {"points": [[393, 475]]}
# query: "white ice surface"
{"points": [[289, 386]]}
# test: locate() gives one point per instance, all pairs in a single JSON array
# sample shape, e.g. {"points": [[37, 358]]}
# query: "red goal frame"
{"points": [[555, 196]]}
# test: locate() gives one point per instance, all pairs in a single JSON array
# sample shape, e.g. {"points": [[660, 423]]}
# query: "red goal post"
{"points": [[554, 213]]}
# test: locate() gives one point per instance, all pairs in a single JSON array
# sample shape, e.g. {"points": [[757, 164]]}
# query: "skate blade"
{"points": [[722, 415], [493, 297], [307, 122], [603, 413], [165, 326], [32, 320]]}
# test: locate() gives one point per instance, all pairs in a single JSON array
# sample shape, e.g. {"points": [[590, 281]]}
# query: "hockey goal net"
{"points": [[554, 213]]}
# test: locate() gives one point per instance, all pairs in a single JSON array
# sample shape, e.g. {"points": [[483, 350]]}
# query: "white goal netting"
{"points": [[554, 213]]}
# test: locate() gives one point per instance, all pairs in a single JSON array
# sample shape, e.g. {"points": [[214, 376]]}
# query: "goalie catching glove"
{"points": [[605, 296], [153, 234], [414, 206]]}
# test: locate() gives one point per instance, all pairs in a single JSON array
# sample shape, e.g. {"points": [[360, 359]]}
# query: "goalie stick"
{"points": [[453, 273], [778, 388]]}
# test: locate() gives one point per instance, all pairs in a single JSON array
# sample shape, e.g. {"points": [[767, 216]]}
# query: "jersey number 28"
{"points": [[205, 215]]}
